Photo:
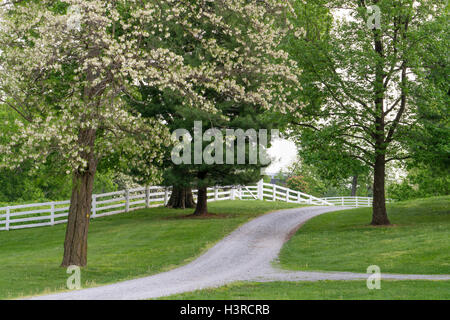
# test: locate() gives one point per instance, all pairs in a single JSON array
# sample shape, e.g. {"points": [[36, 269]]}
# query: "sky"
{"points": [[284, 154]]}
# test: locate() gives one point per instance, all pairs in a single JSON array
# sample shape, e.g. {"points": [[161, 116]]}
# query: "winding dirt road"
{"points": [[244, 255]]}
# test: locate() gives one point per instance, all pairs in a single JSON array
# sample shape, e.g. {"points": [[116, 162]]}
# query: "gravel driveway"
{"points": [[244, 255]]}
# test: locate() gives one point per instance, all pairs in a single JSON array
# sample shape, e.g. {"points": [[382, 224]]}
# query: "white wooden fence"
{"points": [[352, 201], [105, 204]]}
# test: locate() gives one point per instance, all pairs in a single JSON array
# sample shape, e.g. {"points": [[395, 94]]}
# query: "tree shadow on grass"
{"points": [[204, 216]]}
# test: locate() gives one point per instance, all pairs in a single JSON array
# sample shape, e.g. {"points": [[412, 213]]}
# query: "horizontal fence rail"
{"points": [[352, 201], [106, 204]]}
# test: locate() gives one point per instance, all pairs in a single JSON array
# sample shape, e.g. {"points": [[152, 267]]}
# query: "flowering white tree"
{"points": [[66, 66], [65, 75]]}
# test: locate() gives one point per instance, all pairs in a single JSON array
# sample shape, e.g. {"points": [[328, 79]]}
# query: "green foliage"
{"points": [[312, 179], [421, 182], [19, 186], [429, 140], [229, 116]]}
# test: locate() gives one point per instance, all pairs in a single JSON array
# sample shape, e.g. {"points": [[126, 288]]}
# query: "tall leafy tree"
{"points": [[360, 103]]}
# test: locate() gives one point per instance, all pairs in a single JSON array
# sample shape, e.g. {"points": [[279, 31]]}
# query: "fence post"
{"points": [[8, 212], [357, 201], [232, 193], [287, 195], [52, 214], [240, 193], [261, 189], [298, 197], [147, 197], [274, 192], [368, 201], [310, 200], [342, 201], [216, 193], [94, 205], [166, 196], [127, 200]]}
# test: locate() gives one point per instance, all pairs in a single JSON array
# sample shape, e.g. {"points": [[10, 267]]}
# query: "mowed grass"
{"points": [[121, 247], [323, 290], [417, 243]]}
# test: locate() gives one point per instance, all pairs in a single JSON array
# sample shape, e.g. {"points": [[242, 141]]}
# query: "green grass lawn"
{"points": [[417, 243], [320, 290], [121, 247]]}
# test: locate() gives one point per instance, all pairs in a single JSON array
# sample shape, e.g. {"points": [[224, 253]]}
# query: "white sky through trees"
{"points": [[283, 153]]}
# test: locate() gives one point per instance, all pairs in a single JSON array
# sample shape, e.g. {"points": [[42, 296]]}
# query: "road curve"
{"points": [[244, 255]]}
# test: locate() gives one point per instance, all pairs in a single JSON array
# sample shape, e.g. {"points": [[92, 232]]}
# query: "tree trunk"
{"points": [[181, 198], [379, 214], [354, 185], [202, 202], [75, 244]]}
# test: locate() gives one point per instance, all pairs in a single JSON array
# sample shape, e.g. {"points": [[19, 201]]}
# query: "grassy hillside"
{"points": [[417, 242], [121, 247]]}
